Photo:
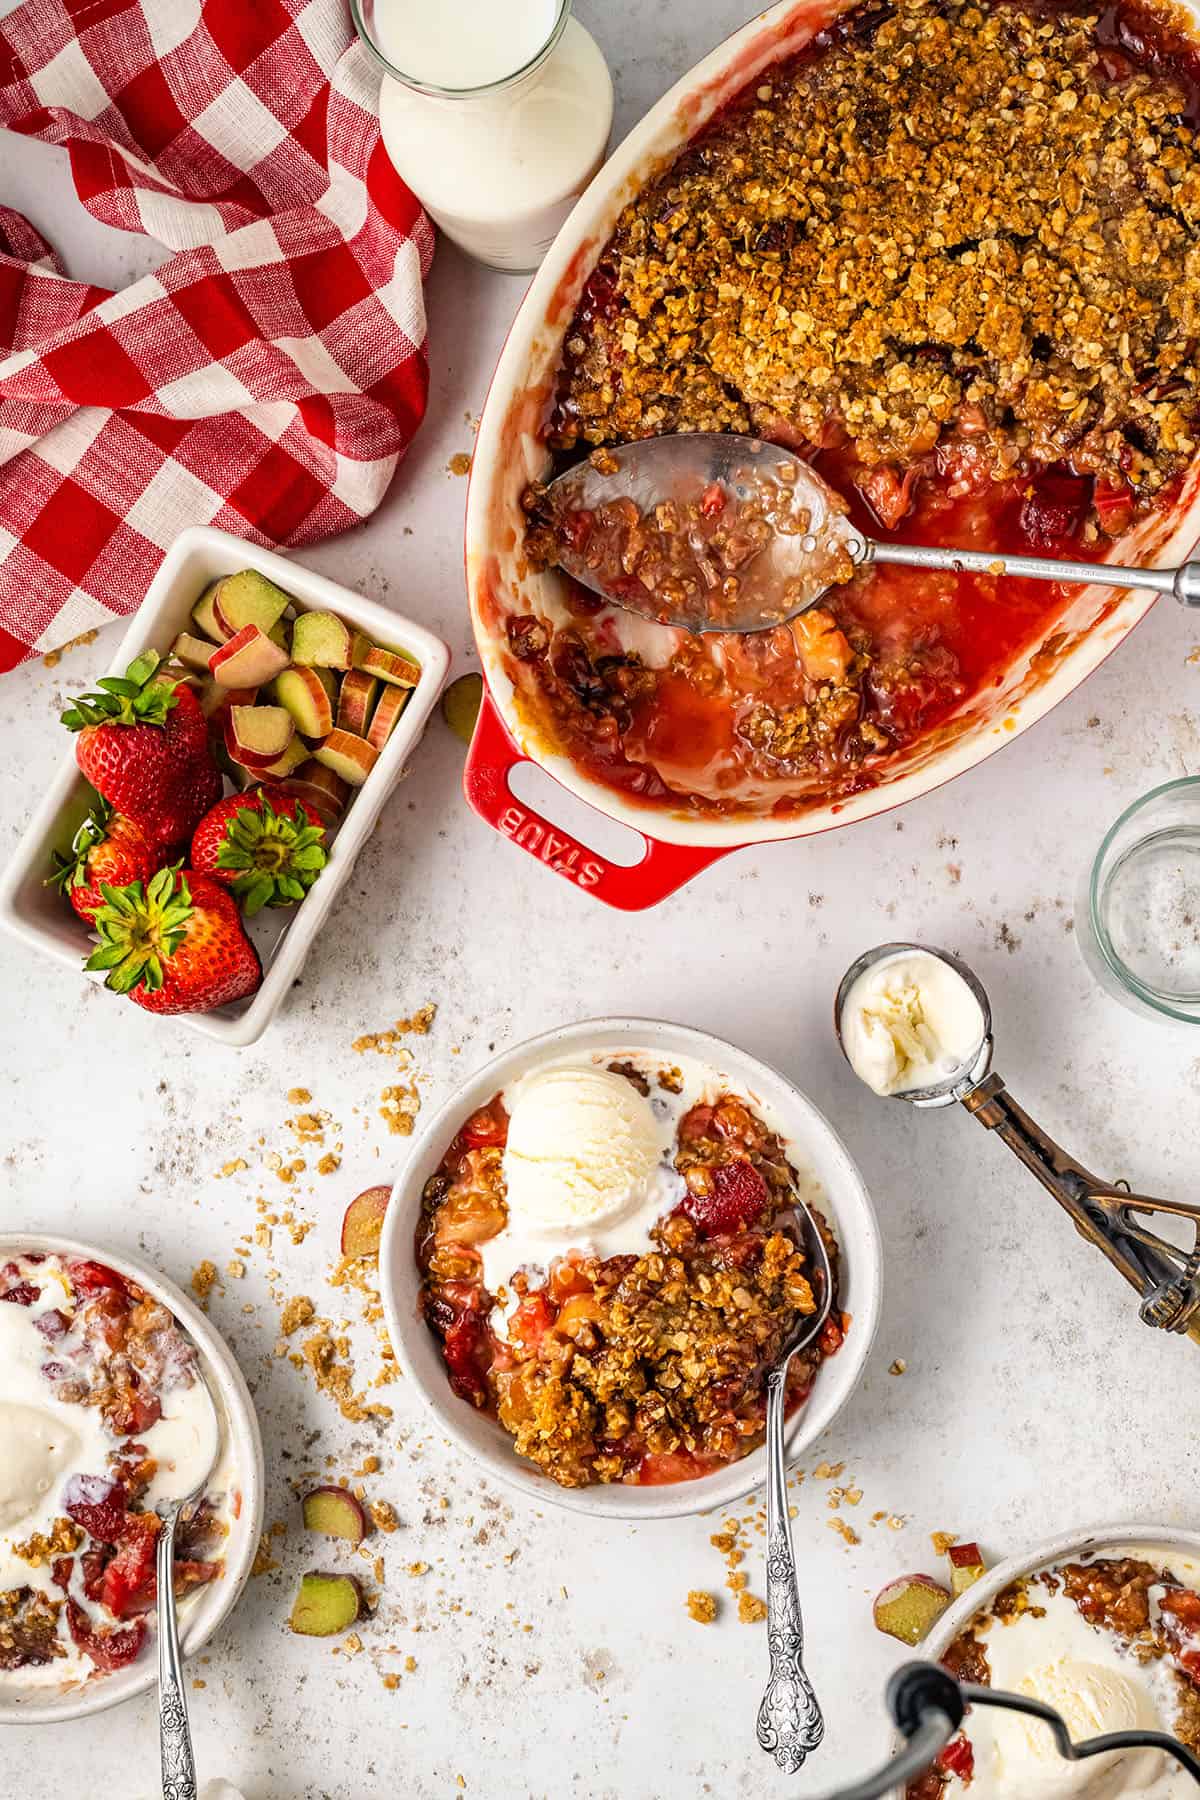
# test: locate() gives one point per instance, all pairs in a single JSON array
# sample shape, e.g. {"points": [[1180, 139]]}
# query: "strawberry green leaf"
{"points": [[138, 928], [274, 857], [70, 871], [134, 698]]}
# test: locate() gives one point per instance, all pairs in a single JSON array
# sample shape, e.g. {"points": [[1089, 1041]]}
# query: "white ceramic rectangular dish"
{"points": [[38, 915]]}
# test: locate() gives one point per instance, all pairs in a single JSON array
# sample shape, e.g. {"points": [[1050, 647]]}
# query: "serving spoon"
{"points": [[1165, 1277], [174, 1732], [811, 545], [790, 1723]]}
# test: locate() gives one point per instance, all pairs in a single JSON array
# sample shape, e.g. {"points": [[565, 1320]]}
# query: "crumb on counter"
{"points": [[204, 1280], [751, 1610], [702, 1607]]}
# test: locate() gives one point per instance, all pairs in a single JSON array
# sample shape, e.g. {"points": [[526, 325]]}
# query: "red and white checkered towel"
{"points": [[268, 375]]}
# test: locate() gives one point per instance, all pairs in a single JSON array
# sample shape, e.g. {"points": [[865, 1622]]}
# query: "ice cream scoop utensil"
{"points": [[684, 465], [790, 1724], [1166, 1277], [174, 1732]]}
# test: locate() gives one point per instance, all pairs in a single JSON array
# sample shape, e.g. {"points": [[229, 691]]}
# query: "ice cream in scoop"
{"points": [[586, 1168], [910, 1021]]}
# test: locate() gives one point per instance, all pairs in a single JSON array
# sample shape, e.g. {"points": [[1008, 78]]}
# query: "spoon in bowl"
{"points": [[174, 1732], [711, 531], [790, 1723], [1165, 1276]]}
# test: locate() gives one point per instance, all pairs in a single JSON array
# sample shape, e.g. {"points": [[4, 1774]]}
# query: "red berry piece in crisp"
{"points": [[175, 945], [22, 1293], [109, 1650], [98, 1504], [143, 745], [737, 1198], [127, 1588], [91, 1278], [107, 848], [267, 846]]}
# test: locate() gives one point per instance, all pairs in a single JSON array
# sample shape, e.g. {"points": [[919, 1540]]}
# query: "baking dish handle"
{"points": [[492, 757]]}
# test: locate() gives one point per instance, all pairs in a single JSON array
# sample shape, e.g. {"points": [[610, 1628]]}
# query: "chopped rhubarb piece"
{"points": [[487, 1128], [98, 1504], [109, 1650], [909, 1608], [336, 1512], [736, 1198], [325, 1605], [832, 1335], [128, 1585], [660, 1468], [966, 1567]]}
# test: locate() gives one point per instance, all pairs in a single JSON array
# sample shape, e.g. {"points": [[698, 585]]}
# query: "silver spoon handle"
{"points": [[1183, 582], [790, 1724], [174, 1734]]}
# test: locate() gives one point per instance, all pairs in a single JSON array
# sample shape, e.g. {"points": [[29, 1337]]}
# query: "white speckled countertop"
{"points": [[554, 1657]]}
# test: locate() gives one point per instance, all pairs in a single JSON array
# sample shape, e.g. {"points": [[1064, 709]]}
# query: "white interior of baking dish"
{"points": [[509, 454]]}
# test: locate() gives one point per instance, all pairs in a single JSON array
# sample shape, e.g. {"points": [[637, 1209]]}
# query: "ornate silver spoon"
{"points": [[174, 1732], [790, 1724], [784, 536]]}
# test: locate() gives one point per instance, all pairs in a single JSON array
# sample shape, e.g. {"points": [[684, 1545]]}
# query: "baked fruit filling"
{"points": [[951, 254], [92, 1365], [645, 1368]]}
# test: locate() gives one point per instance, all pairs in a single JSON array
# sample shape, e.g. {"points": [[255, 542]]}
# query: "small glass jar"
{"points": [[499, 166], [1137, 919]]}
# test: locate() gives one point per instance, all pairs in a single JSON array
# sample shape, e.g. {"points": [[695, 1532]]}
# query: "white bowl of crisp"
{"points": [[103, 1364], [622, 1372], [1092, 1623]]}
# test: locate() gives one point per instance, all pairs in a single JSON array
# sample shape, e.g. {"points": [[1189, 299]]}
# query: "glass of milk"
{"points": [[495, 112]]}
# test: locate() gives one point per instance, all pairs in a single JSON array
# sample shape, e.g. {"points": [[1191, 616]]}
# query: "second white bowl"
{"points": [[811, 1142]]}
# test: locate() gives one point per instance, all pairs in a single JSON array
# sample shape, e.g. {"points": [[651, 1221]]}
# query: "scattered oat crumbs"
{"points": [[898, 1367], [263, 1562], [391, 1682], [204, 1279], [751, 1610], [418, 1568], [460, 1780], [942, 1540], [52, 658], [298, 1096], [329, 1163], [296, 1312], [352, 1645], [828, 1471], [236, 1268], [368, 1466], [197, 1683], [724, 1541], [233, 1167], [846, 1532], [459, 464], [383, 1515], [701, 1606], [737, 1581], [410, 1665], [895, 1522]]}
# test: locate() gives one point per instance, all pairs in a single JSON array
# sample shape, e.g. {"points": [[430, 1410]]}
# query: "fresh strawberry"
{"points": [[175, 945], [143, 745], [737, 1197], [107, 848], [265, 845]]}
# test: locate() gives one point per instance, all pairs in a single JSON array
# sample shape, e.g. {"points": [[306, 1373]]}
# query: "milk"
{"points": [[518, 125]]}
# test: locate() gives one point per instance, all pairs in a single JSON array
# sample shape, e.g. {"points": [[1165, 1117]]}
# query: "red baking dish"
{"points": [[509, 454]]}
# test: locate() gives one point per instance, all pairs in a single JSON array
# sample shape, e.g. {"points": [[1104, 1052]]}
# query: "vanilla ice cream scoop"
{"points": [[587, 1167], [582, 1143], [38, 1449], [910, 1021], [1092, 1699]]}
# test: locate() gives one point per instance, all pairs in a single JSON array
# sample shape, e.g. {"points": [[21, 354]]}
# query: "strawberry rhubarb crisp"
{"points": [[1111, 1642], [951, 254], [612, 1262], [102, 1413]]}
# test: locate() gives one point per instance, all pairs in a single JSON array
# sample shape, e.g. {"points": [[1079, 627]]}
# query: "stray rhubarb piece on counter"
{"points": [[460, 704], [174, 944], [248, 598], [248, 660], [257, 736], [356, 702], [107, 849], [363, 1222], [204, 615], [392, 703], [335, 1512], [265, 846], [302, 692], [325, 1605], [322, 640], [966, 1567], [390, 665], [347, 755], [910, 1607]]}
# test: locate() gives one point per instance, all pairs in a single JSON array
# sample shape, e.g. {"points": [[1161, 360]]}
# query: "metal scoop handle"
{"points": [[1183, 582], [1166, 1277]]}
